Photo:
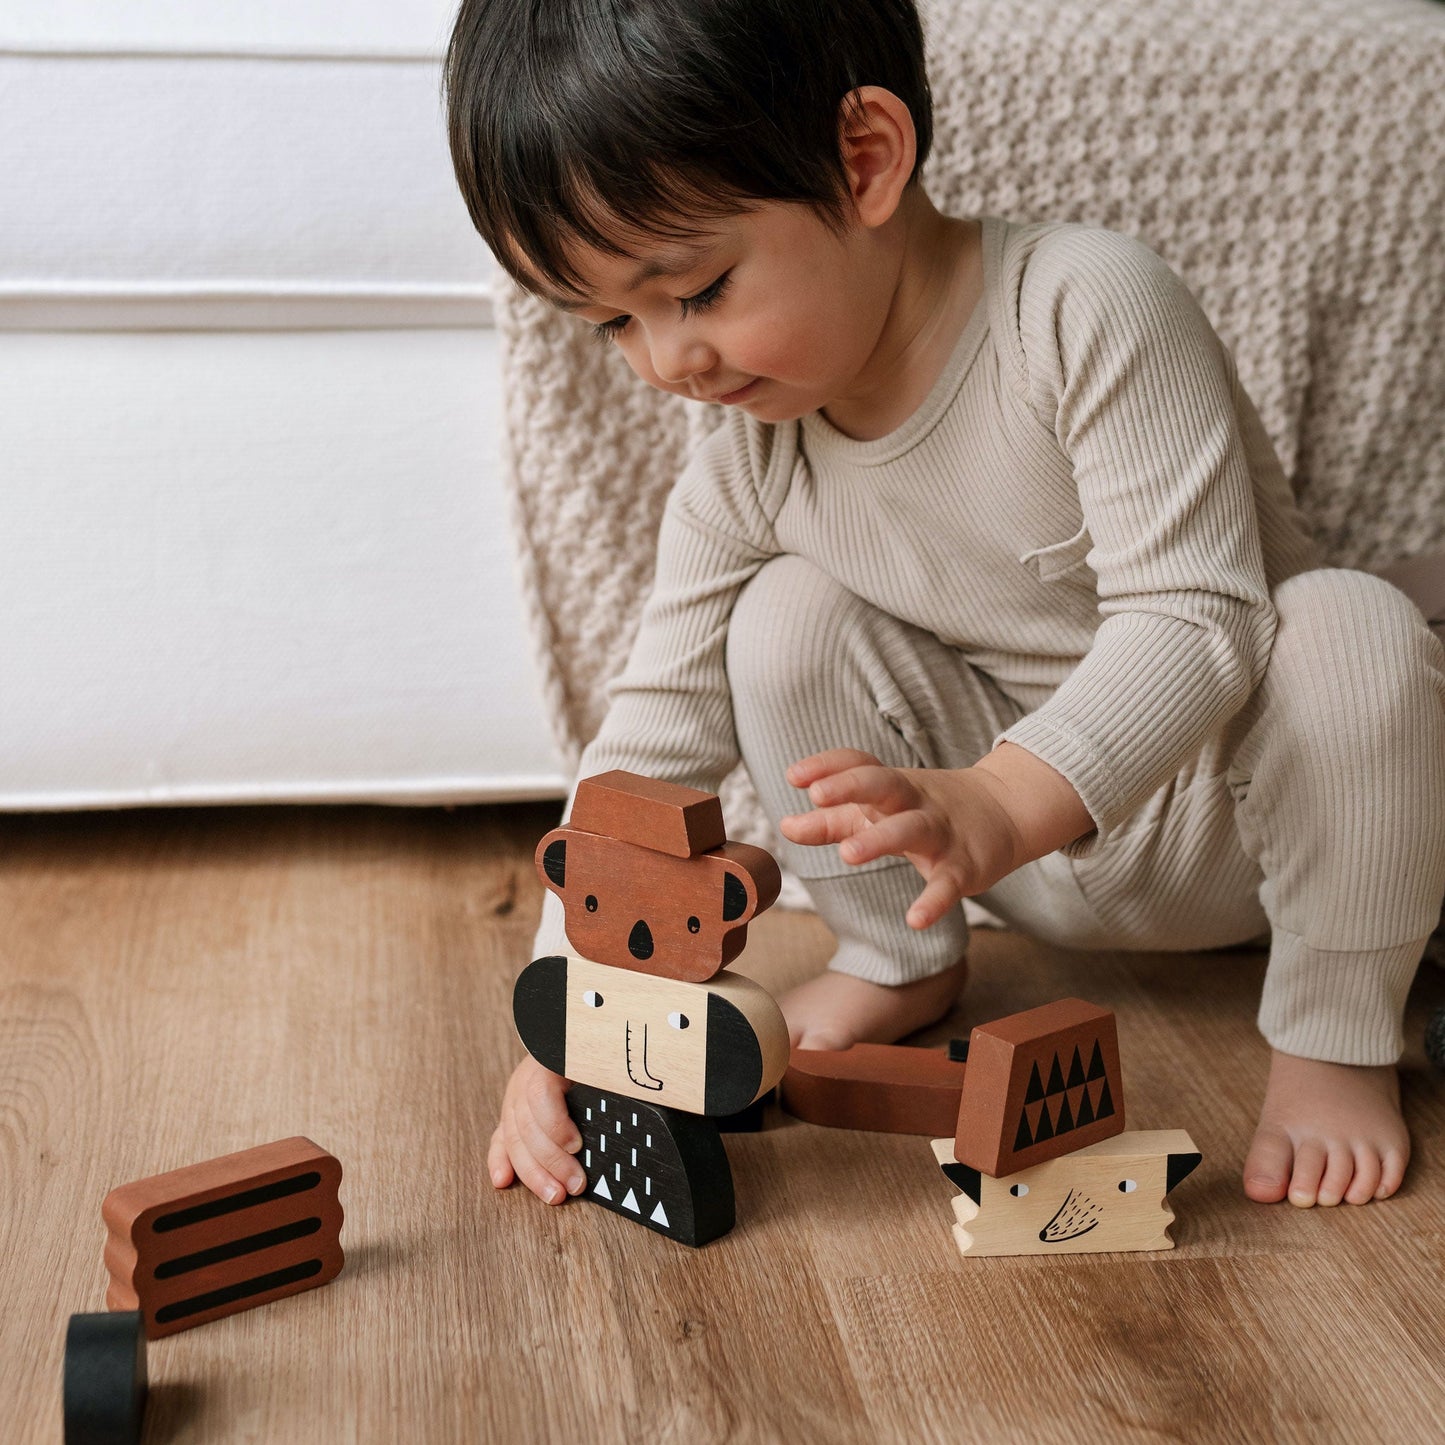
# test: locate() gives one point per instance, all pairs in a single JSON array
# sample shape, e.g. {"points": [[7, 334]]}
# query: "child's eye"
{"points": [[610, 330], [708, 296]]}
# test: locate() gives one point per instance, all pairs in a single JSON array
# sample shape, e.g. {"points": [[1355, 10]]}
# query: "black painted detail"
{"points": [[734, 1059], [198, 1304], [539, 1010], [1056, 1078], [1023, 1139], [1096, 1063], [230, 1203], [1180, 1166], [554, 862], [105, 1379], [639, 941], [1035, 1090], [735, 898], [235, 1248], [966, 1178], [1106, 1103], [1076, 1070], [958, 1051]]}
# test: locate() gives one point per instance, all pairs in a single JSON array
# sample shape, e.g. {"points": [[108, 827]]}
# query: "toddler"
{"points": [[991, 575]]}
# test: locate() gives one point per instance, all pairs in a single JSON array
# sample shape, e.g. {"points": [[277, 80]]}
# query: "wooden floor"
{"points": [[180, 984]]}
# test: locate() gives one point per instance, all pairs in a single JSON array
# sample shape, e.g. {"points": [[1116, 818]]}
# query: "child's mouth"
{"points": [[741, 394]]}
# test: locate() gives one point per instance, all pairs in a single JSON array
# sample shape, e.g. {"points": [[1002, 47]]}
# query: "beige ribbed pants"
{"points": [[1317, 814]]}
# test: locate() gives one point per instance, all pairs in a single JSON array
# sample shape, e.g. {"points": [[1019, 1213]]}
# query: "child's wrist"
{"points": [[1045, 809]]}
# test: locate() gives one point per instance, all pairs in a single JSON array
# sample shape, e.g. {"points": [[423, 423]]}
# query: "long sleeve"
{"points": [[1119, 361], [669, 713]]}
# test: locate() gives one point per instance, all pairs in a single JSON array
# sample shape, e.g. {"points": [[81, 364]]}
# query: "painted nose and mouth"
{"points": [[648, 1080], [639, 941]]}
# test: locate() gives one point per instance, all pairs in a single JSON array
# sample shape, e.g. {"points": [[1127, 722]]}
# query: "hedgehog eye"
{"points": [[591, 901], [693, 924], [592, 998], [678, 1021], [1018, 1190], [1128, 1186]]}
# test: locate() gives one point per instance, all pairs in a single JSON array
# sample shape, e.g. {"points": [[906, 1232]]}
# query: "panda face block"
{"points": [[701, 1048]]}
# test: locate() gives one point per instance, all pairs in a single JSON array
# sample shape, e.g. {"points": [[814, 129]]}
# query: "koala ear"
{"points": [[551, 860], [539, 1010], [734, 1059], [751, 880]]}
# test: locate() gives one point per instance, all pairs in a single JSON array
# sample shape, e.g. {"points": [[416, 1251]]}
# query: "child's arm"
{"points": [[963, 829]]}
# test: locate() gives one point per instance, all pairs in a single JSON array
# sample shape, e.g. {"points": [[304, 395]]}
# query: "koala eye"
{"points": [[592, 998], [1128, 1186], [693, 924], [1018, 1190], [678, 1021], [591, 903]]}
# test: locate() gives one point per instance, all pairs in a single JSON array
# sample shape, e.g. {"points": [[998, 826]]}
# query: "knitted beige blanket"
{"points": [[1288, 160]]}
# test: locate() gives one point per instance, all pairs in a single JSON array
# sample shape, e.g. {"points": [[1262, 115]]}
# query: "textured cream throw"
{"points": [[1287, 161]]}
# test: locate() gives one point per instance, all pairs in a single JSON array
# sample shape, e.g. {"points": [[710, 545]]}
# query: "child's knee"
{"points": [[787, 631], [1349, 646]]}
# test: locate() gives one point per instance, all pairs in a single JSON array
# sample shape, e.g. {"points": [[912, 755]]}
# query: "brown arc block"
{"points": [[665, 817], [1040, 1084], [887, 1088], [216, 1238]]}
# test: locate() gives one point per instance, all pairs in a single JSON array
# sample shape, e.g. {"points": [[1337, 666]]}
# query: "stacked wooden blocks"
{"points": [[657, 1041]]}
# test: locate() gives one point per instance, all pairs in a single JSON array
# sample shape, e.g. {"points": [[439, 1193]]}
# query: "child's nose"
{"points": [[676, 358]]}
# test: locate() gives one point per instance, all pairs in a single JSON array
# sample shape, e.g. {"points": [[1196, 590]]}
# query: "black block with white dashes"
{"points": [[661, 1167]]}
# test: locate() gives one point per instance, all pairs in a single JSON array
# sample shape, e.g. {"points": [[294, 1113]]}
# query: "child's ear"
{"points": [[878, 145]]}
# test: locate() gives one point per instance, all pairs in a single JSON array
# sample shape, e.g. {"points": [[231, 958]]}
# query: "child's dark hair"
{"points": [[568, 117]]}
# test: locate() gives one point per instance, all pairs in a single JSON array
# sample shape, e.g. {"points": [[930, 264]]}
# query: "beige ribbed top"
{"points": [[1085, 504]]}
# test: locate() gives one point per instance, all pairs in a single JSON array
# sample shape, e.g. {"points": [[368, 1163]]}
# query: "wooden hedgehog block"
{"points": [[1039, 1084], [889, 1088], [216, 1238], [1107, 1197]]}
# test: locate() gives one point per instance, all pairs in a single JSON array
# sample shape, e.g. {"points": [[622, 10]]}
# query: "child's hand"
{"points": [[536, 1138], [952, 824]]}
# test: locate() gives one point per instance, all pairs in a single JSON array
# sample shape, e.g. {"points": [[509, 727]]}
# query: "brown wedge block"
{"points": [[667, 817], [1040, 1084], [216, 1238], [887, 1088]]}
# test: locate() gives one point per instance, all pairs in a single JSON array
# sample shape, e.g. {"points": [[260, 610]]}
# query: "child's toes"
{"points": [[1339, 1171], [1267, 1168], [1309, 1168], [1368, 1167], [1392, 1172]]}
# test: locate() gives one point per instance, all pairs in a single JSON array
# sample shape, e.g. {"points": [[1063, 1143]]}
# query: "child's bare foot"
{"points": [[837, 1010], [1327, 1132]]}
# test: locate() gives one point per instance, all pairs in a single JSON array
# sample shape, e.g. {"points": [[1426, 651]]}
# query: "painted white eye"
{"points": [[1128, 1186], [1018, 1190], [592, 998], [678, 1021]]}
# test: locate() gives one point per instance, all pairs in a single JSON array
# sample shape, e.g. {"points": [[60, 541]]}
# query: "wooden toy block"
{"points": [[215, 1238], [704, 1048], [654, 1165], [1040, 1084], [105, 1379], [636, 908], [667, 817], [884, 1087], [1106, 1197]]}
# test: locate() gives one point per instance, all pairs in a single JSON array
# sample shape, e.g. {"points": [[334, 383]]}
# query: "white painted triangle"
{"points": [[659, 1216], [631, 1203], [601, 1187]]}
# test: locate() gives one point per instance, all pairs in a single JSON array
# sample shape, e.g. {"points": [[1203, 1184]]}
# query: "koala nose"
{"points": [[639, 941]]}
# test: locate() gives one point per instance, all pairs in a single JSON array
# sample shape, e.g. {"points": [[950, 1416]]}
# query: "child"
{"points": [[990, 576]]}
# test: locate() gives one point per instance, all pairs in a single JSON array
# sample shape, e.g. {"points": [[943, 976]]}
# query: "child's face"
{"points": [[769, 310]]}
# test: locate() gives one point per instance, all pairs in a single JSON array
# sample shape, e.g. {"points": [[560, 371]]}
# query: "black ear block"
{"points": [[539, 1010], [105, 1379]]}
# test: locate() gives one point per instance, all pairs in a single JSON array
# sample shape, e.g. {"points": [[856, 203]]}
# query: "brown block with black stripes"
{"points": [[216, 1238], [1040, 1084]]}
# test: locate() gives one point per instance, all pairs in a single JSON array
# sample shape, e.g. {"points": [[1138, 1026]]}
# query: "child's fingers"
{"points": [[545, 1185], [900, 833], [870, 785], [546, 1100], [941, 894], [820, 765], [549, 1172], [823, 825], [499, 1166]]}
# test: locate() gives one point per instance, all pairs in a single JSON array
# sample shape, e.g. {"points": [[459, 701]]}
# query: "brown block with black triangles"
{"points": [[1039, 1084]]}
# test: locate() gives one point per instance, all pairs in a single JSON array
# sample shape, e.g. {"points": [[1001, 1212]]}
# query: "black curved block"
{"points": [[657, 1166], [105, 1379]]}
